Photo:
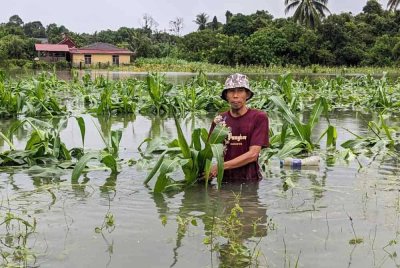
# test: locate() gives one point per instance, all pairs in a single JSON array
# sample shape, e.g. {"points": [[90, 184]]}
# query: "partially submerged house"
{"points": [[96, 54], [99, 54], [55, 52]]}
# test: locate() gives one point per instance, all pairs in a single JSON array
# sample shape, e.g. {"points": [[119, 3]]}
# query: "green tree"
{"points": [[229, 50], [215, 25], [16, 20], [34, 29], [16, 47], [201, 20], [268, 46], [228, 16], [382, 54], [239, 24], [54, 32], [196, 46], [373, 7], [307, 12]]}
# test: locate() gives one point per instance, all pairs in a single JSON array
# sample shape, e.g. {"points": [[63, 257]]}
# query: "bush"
{"points": [[63, 64]]}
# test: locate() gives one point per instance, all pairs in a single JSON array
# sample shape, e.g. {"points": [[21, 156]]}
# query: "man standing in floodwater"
{"points": [[249, 131]]}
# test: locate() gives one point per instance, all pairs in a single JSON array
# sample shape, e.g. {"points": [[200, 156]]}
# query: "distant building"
{"points": [[96, 54], [100, 53]]}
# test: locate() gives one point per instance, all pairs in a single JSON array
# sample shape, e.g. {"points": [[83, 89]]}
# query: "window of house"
{"points": [[115, 59], [88, 59]]}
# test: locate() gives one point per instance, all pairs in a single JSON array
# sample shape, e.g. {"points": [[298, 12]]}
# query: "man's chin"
{"points": [[236, 107]]}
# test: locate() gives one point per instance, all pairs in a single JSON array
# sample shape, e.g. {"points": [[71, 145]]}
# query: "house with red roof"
{"points": [[100, 53], [96, 54]]}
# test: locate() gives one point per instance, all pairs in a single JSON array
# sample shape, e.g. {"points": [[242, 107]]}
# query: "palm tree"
{"points": [[308, 12], [201, 20], [393, 4]]}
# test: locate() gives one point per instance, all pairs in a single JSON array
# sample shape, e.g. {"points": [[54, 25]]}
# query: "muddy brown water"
{"points": [[311, 221]]}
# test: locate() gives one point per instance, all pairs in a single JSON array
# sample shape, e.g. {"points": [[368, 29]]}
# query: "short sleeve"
{"points": [[260, 134]]}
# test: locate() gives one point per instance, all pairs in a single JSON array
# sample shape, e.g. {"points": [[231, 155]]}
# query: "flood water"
{"points": [[309, 225]]}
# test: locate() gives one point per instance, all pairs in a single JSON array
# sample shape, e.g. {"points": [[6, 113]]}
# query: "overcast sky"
{"points": [[96, 15]]}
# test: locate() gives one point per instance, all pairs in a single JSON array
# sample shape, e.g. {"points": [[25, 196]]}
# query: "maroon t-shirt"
{"points": [[247, 130]]}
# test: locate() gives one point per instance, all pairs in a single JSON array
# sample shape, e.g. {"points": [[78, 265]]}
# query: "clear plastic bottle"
{"points": [[296, 163]]}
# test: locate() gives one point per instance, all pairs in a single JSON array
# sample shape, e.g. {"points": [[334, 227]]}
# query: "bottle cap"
{"points": [[296, 164]]}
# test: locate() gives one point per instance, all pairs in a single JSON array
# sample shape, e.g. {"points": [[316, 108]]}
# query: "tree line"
{"points": [[310, 36]]}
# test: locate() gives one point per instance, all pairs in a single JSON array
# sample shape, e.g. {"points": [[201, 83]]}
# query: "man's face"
{"points": [[237, 97]]}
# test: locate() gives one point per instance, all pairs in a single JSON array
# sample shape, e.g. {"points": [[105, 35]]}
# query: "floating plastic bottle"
{"points": [[296, 163]]}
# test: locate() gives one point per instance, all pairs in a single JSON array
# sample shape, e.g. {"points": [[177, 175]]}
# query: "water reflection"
{"points": [[231, 216], [109, 185]]}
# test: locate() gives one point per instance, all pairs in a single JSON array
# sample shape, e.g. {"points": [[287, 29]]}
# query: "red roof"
{"points": [[51, 47], [99, 51], [100, 48], [67, 41]]}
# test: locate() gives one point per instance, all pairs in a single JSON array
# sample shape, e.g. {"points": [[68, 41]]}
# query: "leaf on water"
{"points": [[356, 241], [81, 164], [110, 162], [288, 184], [45, 172]]}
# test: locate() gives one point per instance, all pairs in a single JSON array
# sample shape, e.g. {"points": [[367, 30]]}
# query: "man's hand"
{"points": [[213, 174], [214, 171]]}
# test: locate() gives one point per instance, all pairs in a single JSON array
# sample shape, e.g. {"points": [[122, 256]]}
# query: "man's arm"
{"points": [[250, 156]]}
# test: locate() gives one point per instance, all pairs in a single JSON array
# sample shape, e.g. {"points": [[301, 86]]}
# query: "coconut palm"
{"points": [[393, 4], [308, 12], [201, 20]]}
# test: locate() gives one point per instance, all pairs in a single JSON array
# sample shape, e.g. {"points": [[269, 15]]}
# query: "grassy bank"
{"points": [[175, 65]]}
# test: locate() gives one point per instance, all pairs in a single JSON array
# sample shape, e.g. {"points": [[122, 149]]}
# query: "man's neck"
{"points": [[239, 112]]}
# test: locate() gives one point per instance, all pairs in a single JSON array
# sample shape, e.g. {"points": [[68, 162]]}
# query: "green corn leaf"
{"points": [[283, 133], [316, 113], [82, 127], [161, 183], [207, 170], [116, 136], [353, 144], [385, 127], [33, 140], [196, 143], [331, 136], [218, 134], [218, 153], [110, 162], [204, 155], [56, 146], [64, 152], [190, 169], [81, 164], [182, 141], [291, 148], [7, 141], [163, 179], [299, 128], [204, 135], [155, 168]]}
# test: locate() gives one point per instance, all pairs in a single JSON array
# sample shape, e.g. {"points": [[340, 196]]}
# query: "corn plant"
{"points": [[108, 156], [157, 88], [295, 136], [194, 159], [383, 138], [43, 147]]}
